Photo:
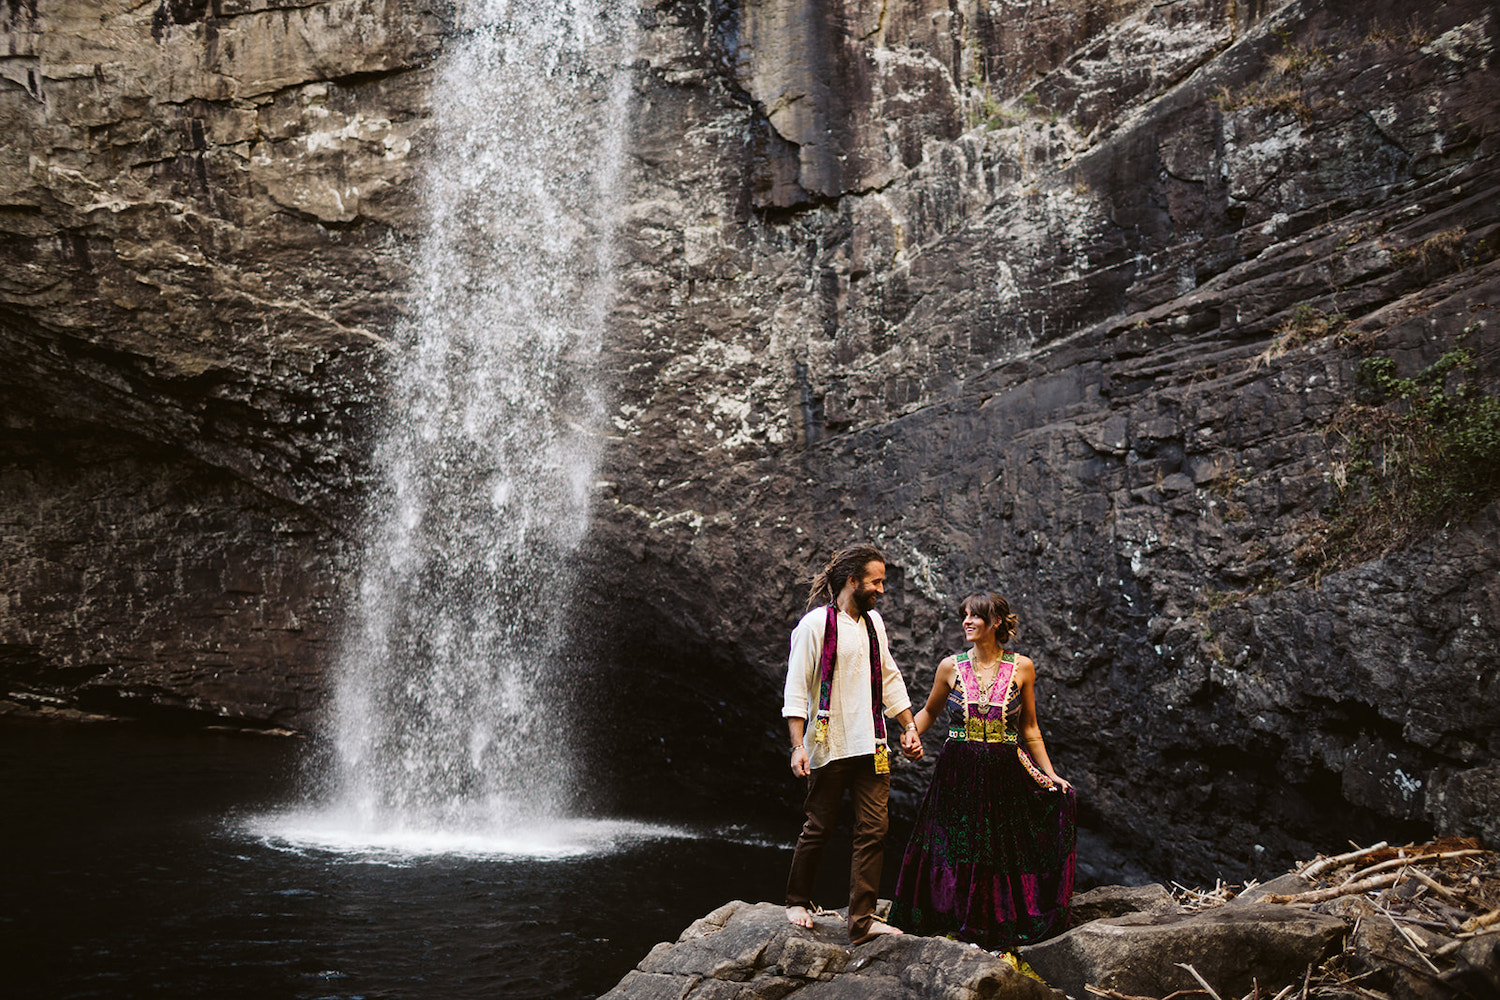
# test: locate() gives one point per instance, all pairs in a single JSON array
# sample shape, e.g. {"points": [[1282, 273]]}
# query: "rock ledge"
{"points": [[1359, 925], [748, 951]]}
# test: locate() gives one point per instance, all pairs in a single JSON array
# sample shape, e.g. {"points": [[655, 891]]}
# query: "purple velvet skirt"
{"points": [[991, 856]]}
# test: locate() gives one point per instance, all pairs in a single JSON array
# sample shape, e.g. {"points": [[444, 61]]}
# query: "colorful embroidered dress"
{"points": [[991, 856]]}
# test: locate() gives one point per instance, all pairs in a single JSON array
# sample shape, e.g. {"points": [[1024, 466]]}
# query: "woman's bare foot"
{"points": [[877, 928], [799, 916]]}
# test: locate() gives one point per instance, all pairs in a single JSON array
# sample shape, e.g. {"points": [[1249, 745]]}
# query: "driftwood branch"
{"points": [[1365, 880], [1347, 889], [1112, 994], [1410, 859], [1319, 865], [1469, 930], [1476, 924], [1201, 981], [1117, 995], [1435, 885], [1411, 941]]}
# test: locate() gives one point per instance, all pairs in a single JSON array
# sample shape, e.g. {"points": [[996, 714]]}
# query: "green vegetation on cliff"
{"points": [[1422, 452]]}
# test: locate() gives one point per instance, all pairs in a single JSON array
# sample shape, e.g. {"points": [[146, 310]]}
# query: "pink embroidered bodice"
{"points": [[983, 713]]}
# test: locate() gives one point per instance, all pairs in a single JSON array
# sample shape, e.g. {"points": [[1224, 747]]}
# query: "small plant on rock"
{"points": [[1414, 35], [1298, 59], [1421, 452], [1278, 100], [1358, 234], [1305, 325], [987, 110], [1440, 249]]}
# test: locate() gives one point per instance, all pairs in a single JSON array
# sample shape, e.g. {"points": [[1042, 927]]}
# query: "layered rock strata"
{"points": [[203, 207], [1093, 347]]}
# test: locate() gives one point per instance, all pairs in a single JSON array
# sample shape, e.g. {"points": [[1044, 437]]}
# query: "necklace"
{"points": [[986, 687]]}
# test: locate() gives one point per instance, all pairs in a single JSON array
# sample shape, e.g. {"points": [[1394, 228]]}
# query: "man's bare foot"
{"points": [[878, 927], [799, 916]]}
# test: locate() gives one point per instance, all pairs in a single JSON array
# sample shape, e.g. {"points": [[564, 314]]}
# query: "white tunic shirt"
{"points": [[851, 724]]}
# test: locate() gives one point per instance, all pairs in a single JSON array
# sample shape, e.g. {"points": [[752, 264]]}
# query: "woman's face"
{"points": [[976, 628]]}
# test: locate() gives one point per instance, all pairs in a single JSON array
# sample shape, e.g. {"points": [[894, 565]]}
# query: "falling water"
{"points": [[450, 690]]}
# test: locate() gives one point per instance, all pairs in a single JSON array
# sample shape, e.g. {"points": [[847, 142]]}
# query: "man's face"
{"points": [[870, 586]]}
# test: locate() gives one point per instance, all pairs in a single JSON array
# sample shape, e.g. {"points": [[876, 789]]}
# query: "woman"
{"points": [[991, 856]]}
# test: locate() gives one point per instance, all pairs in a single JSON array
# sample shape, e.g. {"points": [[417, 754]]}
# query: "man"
{"points": [[841, 676]]}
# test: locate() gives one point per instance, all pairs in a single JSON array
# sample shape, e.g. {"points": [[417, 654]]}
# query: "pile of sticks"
{"points": [[1433, 931], [1193, 900], [1426, 902]]}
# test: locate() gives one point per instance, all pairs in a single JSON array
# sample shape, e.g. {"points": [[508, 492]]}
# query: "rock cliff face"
{"points": [[200, 203], [1075, 300]]}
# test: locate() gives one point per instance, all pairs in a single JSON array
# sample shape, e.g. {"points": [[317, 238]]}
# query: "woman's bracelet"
{"points": [[799, 746], [1034, 739]]}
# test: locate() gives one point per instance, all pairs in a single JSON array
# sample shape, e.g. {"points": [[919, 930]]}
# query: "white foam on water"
{"points": [[745, 836], [351, 837]]}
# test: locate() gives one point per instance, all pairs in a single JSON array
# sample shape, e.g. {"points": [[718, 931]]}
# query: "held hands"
{"points": [[911, 746]]}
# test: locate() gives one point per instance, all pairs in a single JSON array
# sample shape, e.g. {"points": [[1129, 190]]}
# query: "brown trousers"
{"points": [[870, 793]]}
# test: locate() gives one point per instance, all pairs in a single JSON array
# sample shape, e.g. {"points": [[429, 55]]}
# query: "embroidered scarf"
{"points": [[825, 687]]}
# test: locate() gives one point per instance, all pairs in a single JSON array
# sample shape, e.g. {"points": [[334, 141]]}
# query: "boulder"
{"points": [[1284, 885], [1383, 949], [1467, 804], [748, 951], [1232, 947], [1118, 900], [1478, 966]]}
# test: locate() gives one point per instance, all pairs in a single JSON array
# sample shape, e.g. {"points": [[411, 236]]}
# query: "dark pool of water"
{"points": [[131, 871]]}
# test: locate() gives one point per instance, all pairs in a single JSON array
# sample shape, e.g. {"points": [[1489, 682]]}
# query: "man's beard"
{"points": [[864, 600]]}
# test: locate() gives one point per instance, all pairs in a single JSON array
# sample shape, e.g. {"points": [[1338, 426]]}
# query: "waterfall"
{"points": [[451, 711]]}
